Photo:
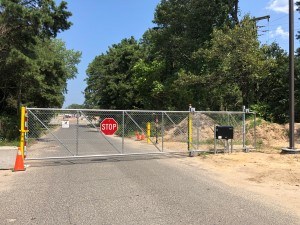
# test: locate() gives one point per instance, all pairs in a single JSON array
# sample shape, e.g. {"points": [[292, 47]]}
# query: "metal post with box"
{"points": [[224, 133]]}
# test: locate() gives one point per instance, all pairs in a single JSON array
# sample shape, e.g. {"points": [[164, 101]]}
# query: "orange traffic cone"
{"points": [[137, 135], [19, 164]]}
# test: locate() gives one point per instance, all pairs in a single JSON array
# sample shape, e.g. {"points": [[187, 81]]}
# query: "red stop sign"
{"points": [[109, 126]]}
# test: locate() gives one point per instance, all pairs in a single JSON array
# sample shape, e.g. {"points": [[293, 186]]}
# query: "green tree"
{"points": [[56, 64], [298, 9], [75, 106], [41, 80], [234, 63], [152, 92], [273, 96], [182, 28], [34, 67], [297, 75], [110, 82], [22, 20], [22, 25], [297, 90]]}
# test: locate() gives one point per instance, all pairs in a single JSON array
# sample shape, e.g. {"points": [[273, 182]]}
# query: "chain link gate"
{"points": [[203, 130], [73, 133]]}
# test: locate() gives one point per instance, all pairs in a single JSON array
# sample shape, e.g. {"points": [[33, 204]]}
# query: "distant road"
{"points": [[82, 140], [140, 190]]}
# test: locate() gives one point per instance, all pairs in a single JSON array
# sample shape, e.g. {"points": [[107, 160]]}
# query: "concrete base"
{"points": [[192, 153], [8, 157], [290, 151]]}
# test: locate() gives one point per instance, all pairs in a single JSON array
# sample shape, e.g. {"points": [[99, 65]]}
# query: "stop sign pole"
{"points": [[109, 126]]}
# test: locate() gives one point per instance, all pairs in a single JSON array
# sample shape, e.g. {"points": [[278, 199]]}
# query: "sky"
{"points": [[98, 24]]}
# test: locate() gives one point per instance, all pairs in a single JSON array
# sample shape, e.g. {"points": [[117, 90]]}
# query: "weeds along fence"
{"points": [[164, 131]]}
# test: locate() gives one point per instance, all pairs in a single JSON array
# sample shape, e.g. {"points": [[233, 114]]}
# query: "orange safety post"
{"points": [[26, 133], [23, 130]]}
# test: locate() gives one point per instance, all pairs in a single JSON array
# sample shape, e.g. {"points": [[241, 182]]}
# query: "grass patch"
{"points": [[203, 155], [9, 143]]}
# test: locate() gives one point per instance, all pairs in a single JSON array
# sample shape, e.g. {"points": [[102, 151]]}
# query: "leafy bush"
{"points": [[9, 129]]}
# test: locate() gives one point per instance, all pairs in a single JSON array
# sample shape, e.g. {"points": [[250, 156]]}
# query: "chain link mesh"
{"points": [[59, 133]]}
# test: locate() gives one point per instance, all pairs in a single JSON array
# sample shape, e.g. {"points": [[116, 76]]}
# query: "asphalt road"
{"points": [[130, 190], [83, 139], [123, 190]]}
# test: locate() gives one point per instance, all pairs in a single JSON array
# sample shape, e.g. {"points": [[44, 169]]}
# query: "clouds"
{"points": [[279, 32], [280, 6]]}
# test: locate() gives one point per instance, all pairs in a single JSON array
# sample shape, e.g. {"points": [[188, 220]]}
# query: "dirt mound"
{"points": [[267, 134], [273, 134], [202, 122], [297, 130]]}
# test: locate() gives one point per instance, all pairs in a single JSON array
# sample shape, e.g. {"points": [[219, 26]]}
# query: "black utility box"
{"points": [[224, 132]]}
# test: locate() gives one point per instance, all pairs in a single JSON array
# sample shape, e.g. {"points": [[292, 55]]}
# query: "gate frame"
{"points": [[160, 151]]}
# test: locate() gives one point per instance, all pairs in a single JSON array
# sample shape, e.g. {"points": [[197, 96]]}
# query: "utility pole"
{"points": [[291, 148], [267, 17], [256, 19]]}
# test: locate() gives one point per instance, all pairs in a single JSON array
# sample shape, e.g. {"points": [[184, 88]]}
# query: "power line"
{"points": [[279, 18], [257, 19]]}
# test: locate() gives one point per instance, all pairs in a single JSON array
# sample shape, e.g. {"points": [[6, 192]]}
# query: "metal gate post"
{"points": [[156, 129], [255, 130], [77, 132], [190, 123], [162, 131], [227, 119], [244, 128], [215, 139], [123, 131], [198, 136]]}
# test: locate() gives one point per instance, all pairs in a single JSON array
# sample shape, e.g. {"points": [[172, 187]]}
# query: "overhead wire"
{"points": [[284, 26]]}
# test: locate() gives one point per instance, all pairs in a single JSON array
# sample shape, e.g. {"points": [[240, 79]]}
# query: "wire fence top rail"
{"points": [[145, 111]]}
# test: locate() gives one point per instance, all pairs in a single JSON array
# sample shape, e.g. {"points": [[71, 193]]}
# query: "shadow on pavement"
{"points": [[102, 159]]}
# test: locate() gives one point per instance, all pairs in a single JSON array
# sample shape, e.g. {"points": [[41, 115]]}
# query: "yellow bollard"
{"points": [[148, 132], [22, 131]]}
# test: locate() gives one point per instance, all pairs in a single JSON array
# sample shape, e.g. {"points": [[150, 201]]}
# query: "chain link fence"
{"points": [[56, 133]]}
